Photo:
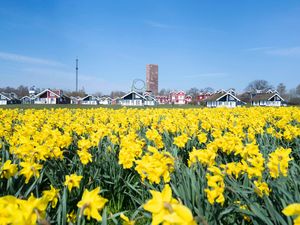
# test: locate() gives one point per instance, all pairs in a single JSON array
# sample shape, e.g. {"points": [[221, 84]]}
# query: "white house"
{"points": [[26, 100], [267, 99], [89, 100], [150, 100], [9, 98], [132, 99], [4, 100], [75, 100], [223, 99], [116, 101], [105, 100]]}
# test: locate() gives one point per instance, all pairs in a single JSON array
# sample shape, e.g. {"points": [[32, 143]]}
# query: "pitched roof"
{"points": [[150, 98], [42, 92], [214, 97], [134, 93], [217, 96], [25, 97], [265, 97], [86, 97], [4, 95]]}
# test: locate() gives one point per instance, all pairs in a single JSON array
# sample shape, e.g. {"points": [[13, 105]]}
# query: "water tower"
{"points": [[32, 91]]}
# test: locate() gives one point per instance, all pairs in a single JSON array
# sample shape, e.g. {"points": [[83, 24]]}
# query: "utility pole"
{"points": [[76, 74]]}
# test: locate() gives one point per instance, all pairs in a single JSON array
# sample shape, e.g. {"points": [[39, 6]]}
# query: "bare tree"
{"points": [[281, 88], [20, 91], [298, 89], [207, 89], [164, 91], [193, 92], [98, 94], [80, 93], [258, 85], [115, 94]]}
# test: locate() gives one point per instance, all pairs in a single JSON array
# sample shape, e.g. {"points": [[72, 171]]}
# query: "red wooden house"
{"points": [[163, 99], [203, 96], [188, 99], [177, 98], [48, 96]]}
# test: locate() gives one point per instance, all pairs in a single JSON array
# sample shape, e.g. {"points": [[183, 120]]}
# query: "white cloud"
{"points": [[27, 59]]}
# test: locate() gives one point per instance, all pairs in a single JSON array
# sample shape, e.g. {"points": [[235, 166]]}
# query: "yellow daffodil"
{"points": [[167, 210], [51, 195], [155, 165], [91, 203], [293, 210], [85, 156], [126, 220], [181, 140], [279, 162], [261, 188], [72, 180], [8, 169], [71, 217], [30, 169]]}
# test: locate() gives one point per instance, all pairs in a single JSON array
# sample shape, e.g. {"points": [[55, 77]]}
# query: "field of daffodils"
{"points": [[150, 166]]}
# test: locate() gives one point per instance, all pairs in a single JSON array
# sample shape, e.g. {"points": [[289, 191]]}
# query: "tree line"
{"points": [[292, 96], [22, 91]]}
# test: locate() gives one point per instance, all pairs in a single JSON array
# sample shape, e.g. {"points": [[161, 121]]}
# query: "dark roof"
{"points": [[5, 96], [214, 97], [245, 97], [131, 92], [47, 89], [217, 96], [263, 96], [149, 98]]}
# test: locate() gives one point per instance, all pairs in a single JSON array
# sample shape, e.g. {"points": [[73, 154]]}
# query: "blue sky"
{"points": [[221, 44]]}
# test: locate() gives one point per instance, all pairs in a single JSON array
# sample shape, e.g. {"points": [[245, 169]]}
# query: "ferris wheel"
{"points": [[138, 85]]}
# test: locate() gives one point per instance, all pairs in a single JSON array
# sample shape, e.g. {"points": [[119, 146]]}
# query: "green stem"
{"points": [[64, 206]]}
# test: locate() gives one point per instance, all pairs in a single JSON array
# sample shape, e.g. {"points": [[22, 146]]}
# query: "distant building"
{"points": [[202, 96], [116, 101], [26, 100], [188, 99], [267, 99], [4, 100], [152, 78], [32, 92], [223, 99], [163, 99], [132, 99], [105, 100], [9, 98], [150, 100], [48, 96], [89, 100], [75, 100], [177, 98]]}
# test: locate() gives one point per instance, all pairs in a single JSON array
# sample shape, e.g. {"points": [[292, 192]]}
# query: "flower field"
{"points": [[150, 166]]}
